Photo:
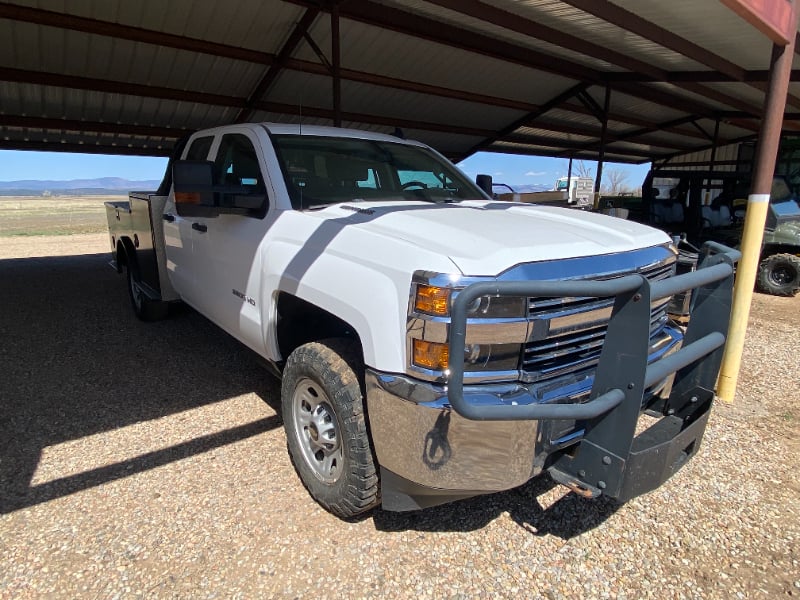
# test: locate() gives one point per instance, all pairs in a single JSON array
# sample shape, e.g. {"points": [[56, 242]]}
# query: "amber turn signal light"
{"points": [[432, 300], [431, 355]]}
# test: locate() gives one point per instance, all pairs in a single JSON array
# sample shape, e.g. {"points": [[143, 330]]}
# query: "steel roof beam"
{"points": [[624, 19], [360, 10], [535, 140], [514, 22], [88, 148], [754, 76], [299, 31], [134, 34], [667, 157], [611, 136], [415, 25], [629, 120], [51, 19], [91, 126], [90, 84], [563, 147], [527, 119], [528, 27], [611, 156]]}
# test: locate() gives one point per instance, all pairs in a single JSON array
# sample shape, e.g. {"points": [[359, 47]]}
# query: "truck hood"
{"points": [[489, 237]]}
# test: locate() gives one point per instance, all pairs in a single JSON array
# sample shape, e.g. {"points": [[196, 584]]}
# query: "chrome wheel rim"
{"points": [[316, 431]]}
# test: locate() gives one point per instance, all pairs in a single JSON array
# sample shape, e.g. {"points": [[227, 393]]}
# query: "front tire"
{"points": [[326, 430], [779, 275]]}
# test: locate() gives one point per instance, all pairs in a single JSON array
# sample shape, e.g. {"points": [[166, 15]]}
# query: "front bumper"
{"points": [[430, 454], [436, 444]]}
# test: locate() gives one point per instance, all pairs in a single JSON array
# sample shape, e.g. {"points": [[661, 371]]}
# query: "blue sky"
{"points": [[504, 168]]}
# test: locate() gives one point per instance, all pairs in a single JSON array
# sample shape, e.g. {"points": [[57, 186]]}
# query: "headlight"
{"points": [[436, 301], [497, 307], [491, 357]]}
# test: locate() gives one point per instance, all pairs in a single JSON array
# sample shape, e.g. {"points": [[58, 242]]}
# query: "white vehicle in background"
{"points": [[434, 344], [580, 190]]}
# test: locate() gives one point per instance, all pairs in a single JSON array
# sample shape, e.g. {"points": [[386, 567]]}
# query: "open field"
{"points": [[62, 215]]}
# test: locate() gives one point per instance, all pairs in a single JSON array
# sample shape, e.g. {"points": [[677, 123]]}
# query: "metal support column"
{"points": [[569, 179], [757, 206], [713, 158], [337, 66], [602, 153]]}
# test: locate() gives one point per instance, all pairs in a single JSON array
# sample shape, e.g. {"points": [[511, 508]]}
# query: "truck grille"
{"points": [[568, 333]]}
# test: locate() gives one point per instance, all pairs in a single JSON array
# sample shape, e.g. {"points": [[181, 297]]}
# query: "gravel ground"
{"points": [[147, 460]]}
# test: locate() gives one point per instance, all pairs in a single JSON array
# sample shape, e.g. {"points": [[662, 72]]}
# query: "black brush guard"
{"points": [[611, 459]]}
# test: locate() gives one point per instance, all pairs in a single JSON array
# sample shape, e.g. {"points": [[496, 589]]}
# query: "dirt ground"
{"points": [[149, 461]]}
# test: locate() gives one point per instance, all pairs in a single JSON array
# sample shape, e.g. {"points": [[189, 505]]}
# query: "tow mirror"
{"points": [[196, 195], [485, 183], [193, 182]]}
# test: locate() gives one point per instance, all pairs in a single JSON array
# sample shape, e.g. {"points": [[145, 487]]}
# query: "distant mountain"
{"points": [[522, 189], [99, 185]]}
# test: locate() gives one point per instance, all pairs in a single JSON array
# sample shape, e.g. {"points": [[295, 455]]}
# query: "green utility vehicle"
{"points": [[700, 206]]}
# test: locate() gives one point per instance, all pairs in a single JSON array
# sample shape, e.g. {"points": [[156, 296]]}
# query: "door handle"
{"points": [[200, 227], [167, 217]]}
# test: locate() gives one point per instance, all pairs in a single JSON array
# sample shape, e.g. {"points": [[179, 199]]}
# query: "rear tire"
{"points": [[143, 307], [326, 429], [779, 275]]}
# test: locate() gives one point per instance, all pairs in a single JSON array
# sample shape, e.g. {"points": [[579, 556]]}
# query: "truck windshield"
{"points": [[326, 170]]}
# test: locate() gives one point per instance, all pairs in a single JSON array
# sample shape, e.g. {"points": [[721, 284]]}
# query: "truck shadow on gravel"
{"points": [[568, 516], [75, 362]]}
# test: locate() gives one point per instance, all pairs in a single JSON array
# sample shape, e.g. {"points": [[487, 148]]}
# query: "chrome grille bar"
{"points": [[572, 330]]}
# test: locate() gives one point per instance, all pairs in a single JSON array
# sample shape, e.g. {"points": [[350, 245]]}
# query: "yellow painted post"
{"points": [[757, 206]]}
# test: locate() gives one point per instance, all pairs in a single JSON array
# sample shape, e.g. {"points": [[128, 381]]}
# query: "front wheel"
{"points": [[779, 275], [326, 430]]}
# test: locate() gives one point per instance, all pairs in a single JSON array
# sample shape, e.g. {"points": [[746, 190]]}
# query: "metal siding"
{"points": [[708, 24], [374, 50], [254, 24], [314, 90]]}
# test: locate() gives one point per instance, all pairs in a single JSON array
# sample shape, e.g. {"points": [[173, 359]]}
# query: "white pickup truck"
{"points": [[434, 344]]}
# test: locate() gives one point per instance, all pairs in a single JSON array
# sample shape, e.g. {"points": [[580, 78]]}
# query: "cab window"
{"points": [[199, 148], [236, 164]]}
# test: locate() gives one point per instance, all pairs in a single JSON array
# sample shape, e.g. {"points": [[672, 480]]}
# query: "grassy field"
{"points": [[62, 215]]}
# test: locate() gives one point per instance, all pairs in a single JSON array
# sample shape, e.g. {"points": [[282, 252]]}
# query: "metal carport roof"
{"points": [[528, 77]]}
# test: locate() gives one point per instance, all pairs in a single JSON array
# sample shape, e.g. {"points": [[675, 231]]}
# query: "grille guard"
{"points": [[624, 356], [610, 459]]}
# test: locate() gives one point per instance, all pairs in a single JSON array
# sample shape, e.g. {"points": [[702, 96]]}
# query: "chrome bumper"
{"points": [[436, 451]]}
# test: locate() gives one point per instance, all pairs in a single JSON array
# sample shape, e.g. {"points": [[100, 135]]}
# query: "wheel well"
{"points": [[125, 253], [300, 322]]}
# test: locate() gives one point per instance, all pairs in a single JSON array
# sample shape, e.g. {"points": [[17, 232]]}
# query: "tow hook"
{"points": [[581, 488]]}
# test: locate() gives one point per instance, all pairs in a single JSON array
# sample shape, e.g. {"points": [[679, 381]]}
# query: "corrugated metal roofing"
{"points": [[526, 76]]}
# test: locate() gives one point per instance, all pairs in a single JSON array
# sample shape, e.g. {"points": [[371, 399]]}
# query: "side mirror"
{"points": [[196, 195], [193, 183], [485, 183]]}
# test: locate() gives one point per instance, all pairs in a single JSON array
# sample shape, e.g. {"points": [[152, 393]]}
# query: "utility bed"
{"points": [[135, 227]]}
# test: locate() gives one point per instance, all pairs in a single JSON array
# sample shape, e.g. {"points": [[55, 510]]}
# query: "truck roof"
{"points": [[320, 130]]}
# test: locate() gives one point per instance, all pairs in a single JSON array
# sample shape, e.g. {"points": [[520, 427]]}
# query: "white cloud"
{"points": [[535, 173], [498, 172]]}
